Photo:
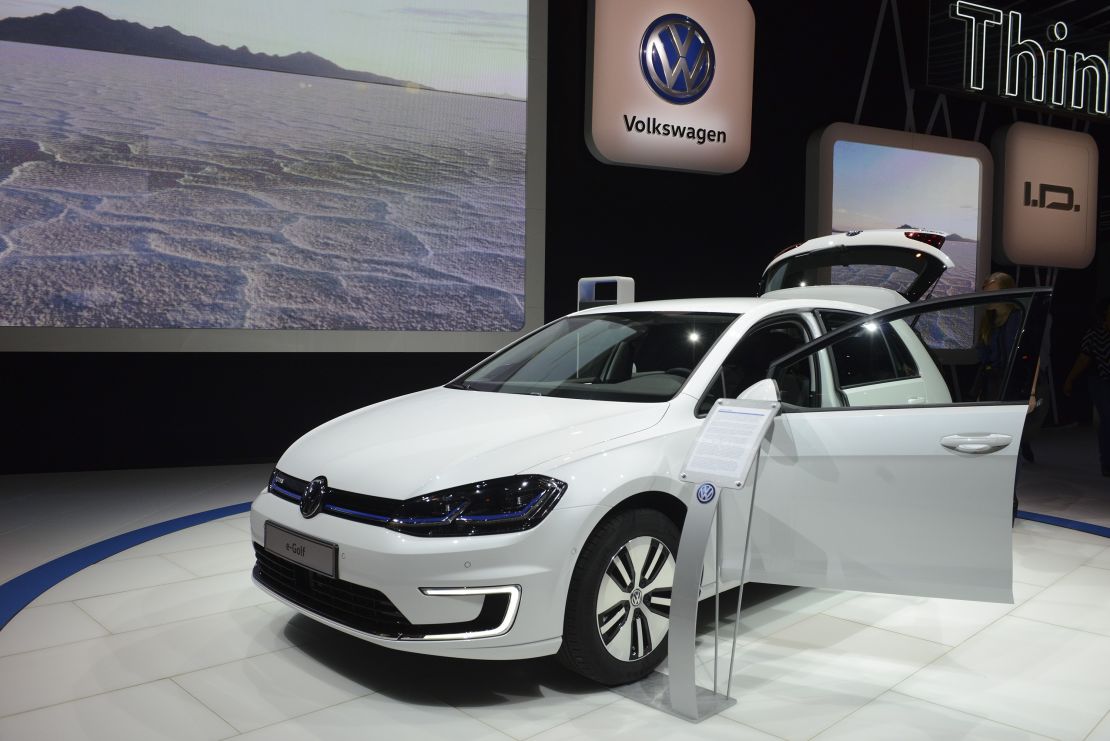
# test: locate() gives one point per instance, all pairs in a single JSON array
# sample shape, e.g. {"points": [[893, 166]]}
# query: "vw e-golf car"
{"points": [[532, 506]]}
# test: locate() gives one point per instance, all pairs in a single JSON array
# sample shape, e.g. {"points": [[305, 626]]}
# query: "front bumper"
{"points": [[488, 596]]}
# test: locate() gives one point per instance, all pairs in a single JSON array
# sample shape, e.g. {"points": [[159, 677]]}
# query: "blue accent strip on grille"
{"points": [[356, 513], [25, 588], [286, 492]]}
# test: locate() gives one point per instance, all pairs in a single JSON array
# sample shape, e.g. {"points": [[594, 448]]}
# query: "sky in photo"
{"points": [[886, 187], [477, 47]]}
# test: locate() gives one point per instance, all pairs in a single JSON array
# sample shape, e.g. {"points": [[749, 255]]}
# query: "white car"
{"points": [[533, 505]]}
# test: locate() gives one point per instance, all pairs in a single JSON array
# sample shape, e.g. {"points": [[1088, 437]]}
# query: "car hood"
{"points": [[443, 437]]}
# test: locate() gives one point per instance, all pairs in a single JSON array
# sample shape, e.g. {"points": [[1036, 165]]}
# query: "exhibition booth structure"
{"points": [[806, 509]]}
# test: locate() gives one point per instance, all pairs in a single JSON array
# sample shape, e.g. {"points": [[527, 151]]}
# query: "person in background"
{"points": [[994, 342], [998, 330], [1095, 348]]}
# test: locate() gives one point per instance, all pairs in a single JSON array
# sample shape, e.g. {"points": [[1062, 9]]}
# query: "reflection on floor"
{"points": [[171, 640]]}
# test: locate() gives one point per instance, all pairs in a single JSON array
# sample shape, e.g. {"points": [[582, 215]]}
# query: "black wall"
{"points": [[676, 234]]}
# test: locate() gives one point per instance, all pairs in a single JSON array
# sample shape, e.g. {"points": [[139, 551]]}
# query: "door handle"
{"points": [[987, 443], [916, 400]]}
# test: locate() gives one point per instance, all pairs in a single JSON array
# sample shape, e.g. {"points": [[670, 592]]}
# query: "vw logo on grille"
{"points": [[677, 58], [706, 492], [312, 501]]}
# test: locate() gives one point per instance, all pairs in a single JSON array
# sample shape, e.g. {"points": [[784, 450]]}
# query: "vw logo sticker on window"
{"points": [[706, 492], [677, 58], [312, 501]]}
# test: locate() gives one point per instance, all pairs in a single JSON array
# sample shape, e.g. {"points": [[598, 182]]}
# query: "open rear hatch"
{"points": [[908, 261]]}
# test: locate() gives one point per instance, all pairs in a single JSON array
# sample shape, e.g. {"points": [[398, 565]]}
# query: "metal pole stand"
{"points": [[679, 694]]}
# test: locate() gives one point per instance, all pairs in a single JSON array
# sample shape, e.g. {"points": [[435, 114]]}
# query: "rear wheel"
{"points": [[619, 602]]}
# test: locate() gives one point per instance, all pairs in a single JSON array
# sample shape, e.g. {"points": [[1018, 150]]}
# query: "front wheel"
{"points": [[619, 601]]}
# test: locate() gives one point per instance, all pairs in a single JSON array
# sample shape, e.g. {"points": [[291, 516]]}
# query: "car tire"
{"points": [[618, 604]]}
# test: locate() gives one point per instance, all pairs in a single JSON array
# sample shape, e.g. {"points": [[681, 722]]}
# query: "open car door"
{"points": [[907, 494], [904, 260]]}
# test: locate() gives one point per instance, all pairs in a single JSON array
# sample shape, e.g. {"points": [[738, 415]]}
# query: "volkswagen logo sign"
{"points": [[677, 58], [312, 501], [706, 492]]}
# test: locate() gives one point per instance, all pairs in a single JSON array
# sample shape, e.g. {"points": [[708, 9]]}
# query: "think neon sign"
{"points": [[1046, 74]]}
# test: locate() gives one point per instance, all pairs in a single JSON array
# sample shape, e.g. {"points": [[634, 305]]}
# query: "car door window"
{"points": [[884, 359], [871, 354], [750, 358]]}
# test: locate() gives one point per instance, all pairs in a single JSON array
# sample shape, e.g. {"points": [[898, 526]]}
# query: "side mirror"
{"points": [[765, 390]]}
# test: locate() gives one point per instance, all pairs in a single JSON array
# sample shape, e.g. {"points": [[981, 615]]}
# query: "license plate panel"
{"points": [[318, 555]]}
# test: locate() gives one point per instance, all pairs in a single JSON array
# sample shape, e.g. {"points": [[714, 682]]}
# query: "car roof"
{"points": [[859, 298]]}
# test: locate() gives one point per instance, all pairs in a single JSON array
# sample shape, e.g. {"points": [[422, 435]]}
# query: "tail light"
{"points": [[784, 251], [930, 238]]}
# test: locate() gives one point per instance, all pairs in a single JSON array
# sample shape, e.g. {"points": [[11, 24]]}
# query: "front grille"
{"points": [[361, 608], [346, 504]]}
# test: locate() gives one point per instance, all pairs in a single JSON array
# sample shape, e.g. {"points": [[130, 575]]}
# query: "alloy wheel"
{"points": [[634, 598]]}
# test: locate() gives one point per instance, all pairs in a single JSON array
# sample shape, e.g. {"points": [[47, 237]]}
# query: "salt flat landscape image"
{"points": [[884, 187], [144, 192]]}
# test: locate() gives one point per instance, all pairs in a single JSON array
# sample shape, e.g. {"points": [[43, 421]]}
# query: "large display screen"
{"points": [[266, 165], [880, 179]]}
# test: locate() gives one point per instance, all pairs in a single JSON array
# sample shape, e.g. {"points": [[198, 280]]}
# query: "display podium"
{"points": [[722, 462]]}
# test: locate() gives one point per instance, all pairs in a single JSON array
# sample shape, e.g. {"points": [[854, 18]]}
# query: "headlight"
{"points": [[504, 505]]}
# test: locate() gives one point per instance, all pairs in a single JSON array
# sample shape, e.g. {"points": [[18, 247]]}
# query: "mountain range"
{"points": [[81, 28]]}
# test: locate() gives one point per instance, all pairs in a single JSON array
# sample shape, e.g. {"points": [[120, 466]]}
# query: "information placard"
{"points": [[729, 441]]}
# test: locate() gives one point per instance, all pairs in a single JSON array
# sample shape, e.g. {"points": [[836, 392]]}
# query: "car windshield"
{"points": [[633, 356]]}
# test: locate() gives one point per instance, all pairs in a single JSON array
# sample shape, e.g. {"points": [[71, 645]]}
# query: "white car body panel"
{"points": [[884, 237], [443, 437], [870, 500]]}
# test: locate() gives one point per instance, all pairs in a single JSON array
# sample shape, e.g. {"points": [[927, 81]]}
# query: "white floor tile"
{"points": [[240, 522], [626, 720], [1039, 677], [109, 577], [807, 677], [1079, 600], [50, 625], [895, 716], [780, 612], [160, 710], [1102, 730], [380, 717], [767, 617], [279, 609], [946, 621], [216, 559], [1101, 560], [63, 673], [144, 608], [270, 688], [206, 534], [524, 715], [1041, 560]]}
